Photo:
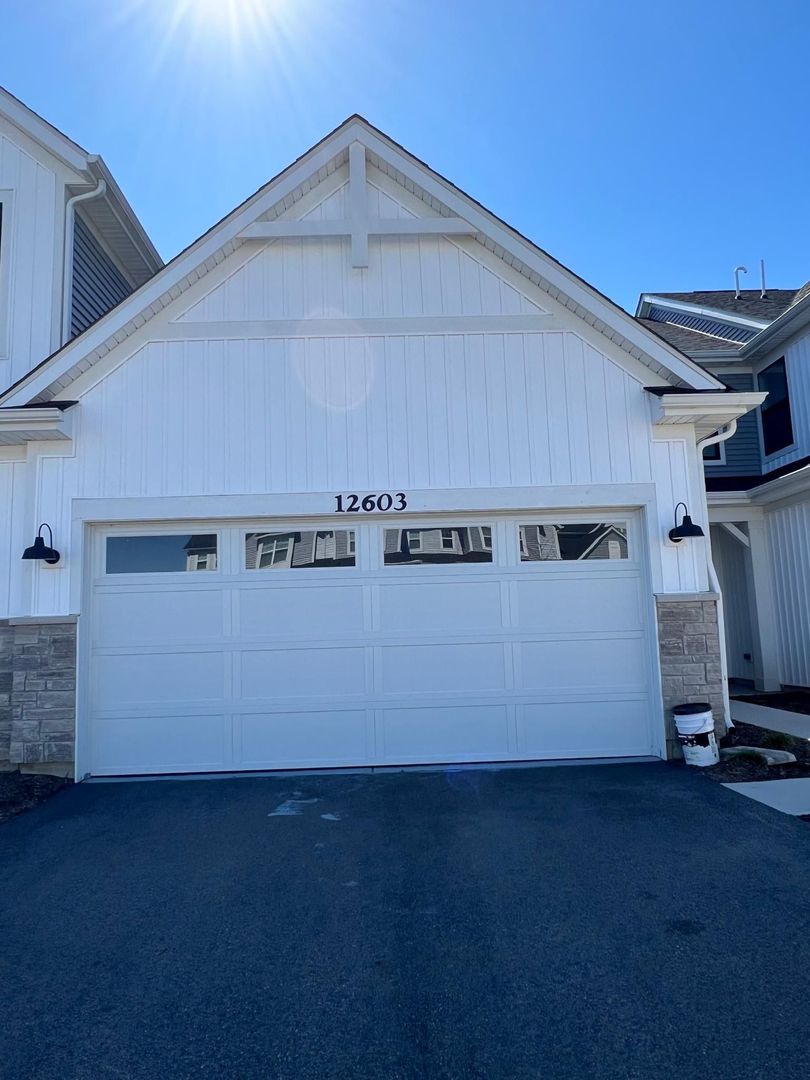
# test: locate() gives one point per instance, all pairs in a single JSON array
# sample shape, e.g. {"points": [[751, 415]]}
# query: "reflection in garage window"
{"points": [[161, 554], [444, 545], [593, 540], [299, 548]]}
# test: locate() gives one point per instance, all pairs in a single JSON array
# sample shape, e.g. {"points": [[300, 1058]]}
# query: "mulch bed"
{"points": [[24, 791], [735, 771], [790, 700]]}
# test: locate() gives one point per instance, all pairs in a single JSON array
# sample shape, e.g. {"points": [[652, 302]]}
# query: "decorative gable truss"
{"points": [[407, 243]]}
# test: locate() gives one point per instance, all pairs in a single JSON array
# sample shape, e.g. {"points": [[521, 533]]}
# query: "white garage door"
{"points": [[262, 645]]}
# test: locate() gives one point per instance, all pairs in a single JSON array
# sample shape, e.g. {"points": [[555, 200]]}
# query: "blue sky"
{"points": [[648, 146]]}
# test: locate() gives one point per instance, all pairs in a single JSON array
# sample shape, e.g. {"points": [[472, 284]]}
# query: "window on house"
{"points": [[712, 453], [777, 424], [574, 542], [161, 554], [299, 549], [450, 545]]}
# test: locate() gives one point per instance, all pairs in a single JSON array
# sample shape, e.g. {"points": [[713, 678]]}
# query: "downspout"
{"points": [[67, 272], [714, 581]]}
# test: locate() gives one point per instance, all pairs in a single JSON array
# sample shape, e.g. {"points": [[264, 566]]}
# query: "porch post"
{"points": [[763, 608]]}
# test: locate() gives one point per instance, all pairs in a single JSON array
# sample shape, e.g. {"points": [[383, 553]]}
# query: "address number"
{"points": [[353, 504]]}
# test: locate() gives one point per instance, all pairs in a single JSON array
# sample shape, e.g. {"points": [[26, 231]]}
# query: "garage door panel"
{"points": [[584, 729], [169, 616], [187, 744], [121, 679], [315, 611], [461, 606], [606, 663], [458, 668], [465, 733], [376, 663], [564, 605], [303, 739], [302, 673]]}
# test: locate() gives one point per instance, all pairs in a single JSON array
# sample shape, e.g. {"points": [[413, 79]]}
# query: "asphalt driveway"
{"points": [[615, 921]]}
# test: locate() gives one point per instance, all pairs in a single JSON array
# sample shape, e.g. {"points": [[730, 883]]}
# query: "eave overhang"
{"points": [[43, 424], [706, 411]]}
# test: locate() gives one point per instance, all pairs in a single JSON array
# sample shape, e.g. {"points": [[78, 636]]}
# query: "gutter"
{"points": [[67, 266], [714, 580]]}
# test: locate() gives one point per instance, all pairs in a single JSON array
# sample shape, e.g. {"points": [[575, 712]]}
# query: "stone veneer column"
{"points": [[6, 680], [38, 692], [689, 647]]}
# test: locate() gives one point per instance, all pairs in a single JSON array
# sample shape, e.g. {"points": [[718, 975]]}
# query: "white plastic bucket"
{"points": [[695, 725]]}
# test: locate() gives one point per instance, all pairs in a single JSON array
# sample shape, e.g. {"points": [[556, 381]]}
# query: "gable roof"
{"points": [[750, 303], [111, 214], [54, 374]]}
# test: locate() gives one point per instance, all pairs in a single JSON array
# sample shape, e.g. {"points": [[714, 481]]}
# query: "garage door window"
{"points": [[581, 542], [448, 544], [161, 554], [299, 549]]}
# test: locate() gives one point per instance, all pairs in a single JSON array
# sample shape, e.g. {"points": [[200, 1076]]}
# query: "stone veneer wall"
{"points": [[37, 691], [689, 647]]}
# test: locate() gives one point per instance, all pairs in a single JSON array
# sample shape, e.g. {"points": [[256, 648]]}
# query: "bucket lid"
{"points": [[691, 709]]}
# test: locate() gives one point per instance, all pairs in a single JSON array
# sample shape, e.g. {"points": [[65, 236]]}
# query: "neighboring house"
{"points": [[758, 481], [70, 246], [361, 477]]}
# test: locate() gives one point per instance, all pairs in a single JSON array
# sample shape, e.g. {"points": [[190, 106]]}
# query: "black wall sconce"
{"points": [[687, 529], [39, 550]]}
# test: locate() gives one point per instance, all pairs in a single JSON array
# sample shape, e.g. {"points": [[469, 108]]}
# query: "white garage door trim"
{"points": [[368, 716]]}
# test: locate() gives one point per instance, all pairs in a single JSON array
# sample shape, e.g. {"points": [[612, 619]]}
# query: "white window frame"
{"points": [[414, 537], [276, 542], [135, 530], [768, 459], [622, 519]]}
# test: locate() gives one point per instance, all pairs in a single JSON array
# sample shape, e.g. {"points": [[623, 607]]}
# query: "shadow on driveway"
{"points": [[614, 921]]}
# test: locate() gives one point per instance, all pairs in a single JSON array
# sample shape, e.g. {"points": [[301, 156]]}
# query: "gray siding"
{"points": [[742, 450], [98, 284]]}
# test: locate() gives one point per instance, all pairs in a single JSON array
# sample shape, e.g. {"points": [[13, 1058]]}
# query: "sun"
{"points": [[236, 17]]}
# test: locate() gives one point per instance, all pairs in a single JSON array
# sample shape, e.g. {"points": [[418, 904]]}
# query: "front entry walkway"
{"points": [[612, 921]]}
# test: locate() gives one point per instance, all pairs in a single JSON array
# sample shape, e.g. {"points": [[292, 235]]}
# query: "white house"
{"points": [[758, 480], [363, 476]]}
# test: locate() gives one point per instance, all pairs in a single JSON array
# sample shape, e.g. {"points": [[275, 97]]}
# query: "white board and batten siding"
{"points": [[30, 256], [330, 415], [788, 530], [263, 404]]}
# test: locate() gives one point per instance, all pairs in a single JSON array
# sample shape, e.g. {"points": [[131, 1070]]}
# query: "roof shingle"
{"points": [[748, 303]]}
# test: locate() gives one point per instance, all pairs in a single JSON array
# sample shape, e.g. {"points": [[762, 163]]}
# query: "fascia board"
{"points": [[63, 148], [779, 331], [783, 487], [703, 409]]}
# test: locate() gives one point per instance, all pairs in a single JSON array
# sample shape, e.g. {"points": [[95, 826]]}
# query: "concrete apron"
{"points": [[788, 796]]}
